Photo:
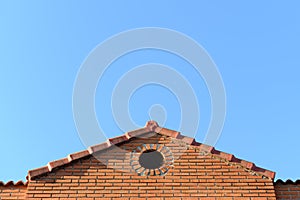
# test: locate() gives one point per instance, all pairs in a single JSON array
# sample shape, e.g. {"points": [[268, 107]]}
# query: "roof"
{"points": [[288, 182], [151, 126], [11, 183]]}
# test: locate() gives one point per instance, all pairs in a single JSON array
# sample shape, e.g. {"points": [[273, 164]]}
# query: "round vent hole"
{"points": [[151, 159]]}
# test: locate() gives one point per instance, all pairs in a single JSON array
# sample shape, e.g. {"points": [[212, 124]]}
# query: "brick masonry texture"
{"points": [[287, 190], [108, 174], [12, 192], [193, 176]]}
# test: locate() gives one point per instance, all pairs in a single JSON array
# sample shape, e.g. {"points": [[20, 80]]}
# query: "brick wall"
{"points": [[193, 176], [12, 192], [287, 190]]}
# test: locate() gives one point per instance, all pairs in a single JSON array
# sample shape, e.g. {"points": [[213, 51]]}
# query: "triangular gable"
{"points": [[152, 126]]}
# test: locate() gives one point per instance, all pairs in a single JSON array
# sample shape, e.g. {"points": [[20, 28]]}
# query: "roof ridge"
{"points": [[12, 183], [151, 126]]}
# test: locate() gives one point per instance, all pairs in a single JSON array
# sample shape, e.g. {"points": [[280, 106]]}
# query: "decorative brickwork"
{"points": [[107, 171], [192, 176]]}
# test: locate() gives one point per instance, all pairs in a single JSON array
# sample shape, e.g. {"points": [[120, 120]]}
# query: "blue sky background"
{"points": [[254, 44]]}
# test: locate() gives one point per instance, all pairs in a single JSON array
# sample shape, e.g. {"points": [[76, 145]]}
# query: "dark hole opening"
{"points": [[151, 159]]}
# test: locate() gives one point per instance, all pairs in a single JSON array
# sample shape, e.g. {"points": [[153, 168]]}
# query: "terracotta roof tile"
{"points": [[289, 181], [56, 163], [38, 171], [119, 139], [137, 132], [185, 139], [11, 183], [151, 126], [78, 155], [99, 147], [169, 132]]}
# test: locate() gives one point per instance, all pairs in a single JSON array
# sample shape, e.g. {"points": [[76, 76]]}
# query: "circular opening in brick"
{"points": [[151, 159]]}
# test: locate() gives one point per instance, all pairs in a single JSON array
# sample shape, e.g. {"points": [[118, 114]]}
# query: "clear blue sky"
{"points": [[255, 45]]}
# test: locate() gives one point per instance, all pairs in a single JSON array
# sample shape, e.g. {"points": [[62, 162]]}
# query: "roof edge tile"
{"points": [[137, 132], [287, 182], [119, 139], [12, 183], [99, 147], [57, 163], [37, 172], [78, 155], [186, 139], [169, 132]]}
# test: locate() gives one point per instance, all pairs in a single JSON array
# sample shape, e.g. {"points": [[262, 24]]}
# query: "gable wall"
{"points": [[287, 191], [12, 192], [193, 176]]}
